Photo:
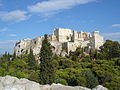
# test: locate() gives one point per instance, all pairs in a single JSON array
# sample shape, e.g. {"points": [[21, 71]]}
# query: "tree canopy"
{"points": [[47, 69], [76, 70]]}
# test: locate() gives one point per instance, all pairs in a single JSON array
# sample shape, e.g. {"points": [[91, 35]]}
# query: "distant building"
{"points": [[63, 41]]}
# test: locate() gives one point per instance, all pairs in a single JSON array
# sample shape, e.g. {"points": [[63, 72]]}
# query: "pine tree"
{"points": [[47, 68], [31, 61], [14, 56], [110, 49]]}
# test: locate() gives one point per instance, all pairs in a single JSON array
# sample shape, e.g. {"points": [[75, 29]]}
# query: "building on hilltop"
{"points": [[63, 41]]}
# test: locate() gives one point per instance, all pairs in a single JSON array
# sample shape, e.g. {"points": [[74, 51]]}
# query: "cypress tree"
{"points": [[47, 69], [14, 56], [31, 61]]}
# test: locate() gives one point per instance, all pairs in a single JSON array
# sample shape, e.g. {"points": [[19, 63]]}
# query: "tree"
{"points": [[65, 63], [77, 54], [14, 56], [31, 61], [94, 54], [6, 56], [47, 68], [81, 81], [110, 49], [91, 79], [87, 78], [62, 81]]}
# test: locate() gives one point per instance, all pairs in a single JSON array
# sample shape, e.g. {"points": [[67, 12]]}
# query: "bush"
{"points": [[81, 81], [61, 81], [65, 63], [91, 79], [34, 76]]}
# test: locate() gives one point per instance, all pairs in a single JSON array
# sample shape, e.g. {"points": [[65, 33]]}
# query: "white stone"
{"points": [[12, 89], [62, 40], [8, 80], [25, 84], [63, 87], [13, 83], [32, 86], [99, 87], [45, 87]]}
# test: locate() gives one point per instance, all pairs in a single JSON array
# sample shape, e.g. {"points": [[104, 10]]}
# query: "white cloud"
{"points": [[112, 36], [13, 16], [12, 35], [3, 30], [116, 25], [53, 6]]}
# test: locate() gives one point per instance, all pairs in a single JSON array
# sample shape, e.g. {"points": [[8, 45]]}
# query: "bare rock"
{"points": [[99, 87], [13, 83]]}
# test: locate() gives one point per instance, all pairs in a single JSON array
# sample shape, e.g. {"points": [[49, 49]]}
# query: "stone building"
{"points": [[63, 41]]}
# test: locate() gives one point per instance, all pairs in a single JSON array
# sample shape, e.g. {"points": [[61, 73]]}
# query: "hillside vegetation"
{"points": [[78, 69]]}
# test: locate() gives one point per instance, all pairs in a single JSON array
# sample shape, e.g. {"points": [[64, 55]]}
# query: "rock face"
{"points": [[13, 83], [99, 87], [63, 41]]}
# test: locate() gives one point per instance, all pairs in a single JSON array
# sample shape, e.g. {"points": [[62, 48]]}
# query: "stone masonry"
{"points": [[63, 41]]}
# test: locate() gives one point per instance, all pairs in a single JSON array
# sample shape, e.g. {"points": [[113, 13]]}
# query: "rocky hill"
{"points": [[63, 41], [13, 83]]}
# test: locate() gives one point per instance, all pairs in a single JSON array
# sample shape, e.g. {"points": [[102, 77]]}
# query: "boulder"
{"points": [[13, 83], [99, 87], [45, 87], [63, 87]]}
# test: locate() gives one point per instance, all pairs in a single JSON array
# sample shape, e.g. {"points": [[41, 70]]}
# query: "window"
{"points": [[35, 42], [19, 46]]}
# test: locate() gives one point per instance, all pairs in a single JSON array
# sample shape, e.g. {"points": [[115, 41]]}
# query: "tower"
{"points": [[96, 40]]}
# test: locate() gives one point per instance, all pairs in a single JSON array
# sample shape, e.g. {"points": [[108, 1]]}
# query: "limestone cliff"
{"points": [[63, 41]]}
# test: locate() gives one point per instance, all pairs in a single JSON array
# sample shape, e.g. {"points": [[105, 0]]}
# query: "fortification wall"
{"points": [[62, 40]]}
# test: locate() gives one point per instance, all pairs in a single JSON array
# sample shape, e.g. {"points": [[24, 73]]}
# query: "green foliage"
{"points": [[68, 74], [47, 67], [117, 62], [99, 67], [65, 63], [81, 81], [107, 72], [110, 49], [34, 75], [77, 55], [91, 79], [17, 67], [94, 54], [31, 61], [61, 81]]}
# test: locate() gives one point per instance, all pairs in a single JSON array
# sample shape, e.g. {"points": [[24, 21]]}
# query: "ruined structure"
{"points": [[63, 41]]}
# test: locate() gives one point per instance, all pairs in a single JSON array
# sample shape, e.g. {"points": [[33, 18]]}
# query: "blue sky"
{"points": [[20, 19]]}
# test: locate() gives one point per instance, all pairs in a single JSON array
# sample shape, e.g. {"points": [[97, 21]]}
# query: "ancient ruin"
{"points": [[63, 41]]}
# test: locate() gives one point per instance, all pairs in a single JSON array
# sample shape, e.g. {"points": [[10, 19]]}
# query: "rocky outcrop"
{"points": [[13, 83], [99, 87], [62, 87], [63, 41]]}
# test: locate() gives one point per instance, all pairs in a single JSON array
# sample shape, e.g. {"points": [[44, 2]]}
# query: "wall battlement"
{"points": [[63, 41]]}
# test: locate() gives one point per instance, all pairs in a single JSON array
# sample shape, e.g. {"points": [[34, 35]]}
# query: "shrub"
{"points": [[61, 81]]}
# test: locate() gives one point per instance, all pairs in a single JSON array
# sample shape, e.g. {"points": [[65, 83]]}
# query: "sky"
{"points": [[21, 19]]}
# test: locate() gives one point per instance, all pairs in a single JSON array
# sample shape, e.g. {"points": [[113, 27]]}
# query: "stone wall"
{"points": [[62, 40]]}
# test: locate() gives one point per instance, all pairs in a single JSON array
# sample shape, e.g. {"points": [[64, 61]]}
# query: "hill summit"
{"points": [[63, 41]]}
